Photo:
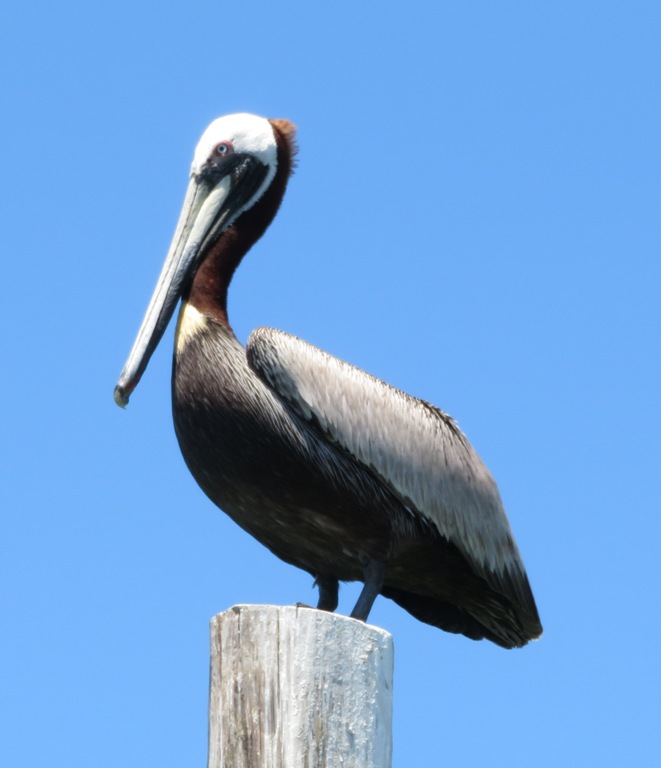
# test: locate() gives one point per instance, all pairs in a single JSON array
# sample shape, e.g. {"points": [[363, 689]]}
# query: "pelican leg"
{"points": [[374, 573], [328, 594]]}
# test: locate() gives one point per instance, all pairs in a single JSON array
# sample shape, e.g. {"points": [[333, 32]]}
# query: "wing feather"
{"points": [[415, 448]]}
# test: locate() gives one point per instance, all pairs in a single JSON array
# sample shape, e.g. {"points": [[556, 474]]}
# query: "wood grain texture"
{"points": [[298, 688]]}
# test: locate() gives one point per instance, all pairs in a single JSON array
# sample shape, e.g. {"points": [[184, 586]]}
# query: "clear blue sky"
{"points": [[475, 218]]}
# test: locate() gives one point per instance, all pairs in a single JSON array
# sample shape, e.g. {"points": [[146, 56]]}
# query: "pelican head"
{"points": [[234, 165]]}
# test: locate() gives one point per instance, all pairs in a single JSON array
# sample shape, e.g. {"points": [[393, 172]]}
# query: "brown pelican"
{"points": [[333, 470]]}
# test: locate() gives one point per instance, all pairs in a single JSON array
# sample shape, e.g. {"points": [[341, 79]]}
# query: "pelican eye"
{"points": [[224, 148]]}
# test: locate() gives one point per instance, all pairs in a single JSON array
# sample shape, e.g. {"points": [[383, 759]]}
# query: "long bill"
{"points": [[205, 213]]}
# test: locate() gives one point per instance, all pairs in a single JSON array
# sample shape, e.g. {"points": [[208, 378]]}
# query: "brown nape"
{"points": [[208, 291], [286, 132]]}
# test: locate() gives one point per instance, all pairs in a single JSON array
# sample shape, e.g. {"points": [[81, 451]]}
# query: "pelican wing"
{"points": [[413, 447]]}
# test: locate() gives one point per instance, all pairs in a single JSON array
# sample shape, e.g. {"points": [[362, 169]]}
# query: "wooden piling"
{"points": [[298, 688]]}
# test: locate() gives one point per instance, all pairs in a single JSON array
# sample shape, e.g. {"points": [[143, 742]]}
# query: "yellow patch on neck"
{"points": [[190, 322]]}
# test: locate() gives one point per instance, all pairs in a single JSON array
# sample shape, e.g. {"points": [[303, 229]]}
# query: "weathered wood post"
{"points": [[298, 688]]}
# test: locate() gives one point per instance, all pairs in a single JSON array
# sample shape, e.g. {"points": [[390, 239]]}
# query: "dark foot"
{"points": [[328, 594], [374, 573]]}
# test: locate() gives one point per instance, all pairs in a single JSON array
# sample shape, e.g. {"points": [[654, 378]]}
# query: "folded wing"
{"points": [[413, 447]]}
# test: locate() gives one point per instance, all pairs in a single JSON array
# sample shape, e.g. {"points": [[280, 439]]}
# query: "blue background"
{"points": [[474, 218]]}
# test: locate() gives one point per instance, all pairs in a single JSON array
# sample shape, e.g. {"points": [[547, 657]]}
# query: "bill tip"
{"points": [[121, 398]]}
